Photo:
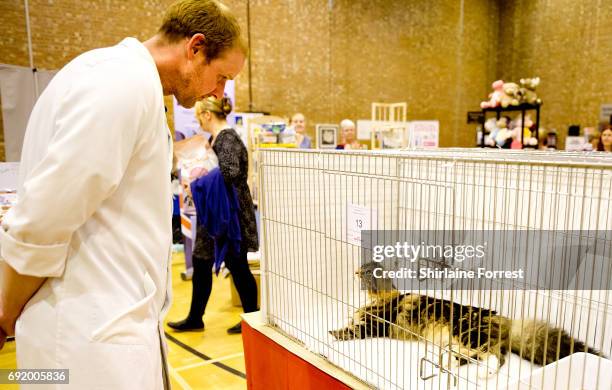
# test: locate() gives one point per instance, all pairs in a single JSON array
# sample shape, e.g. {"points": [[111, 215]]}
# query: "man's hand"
{"points": [[15, 291], [7, 327]]}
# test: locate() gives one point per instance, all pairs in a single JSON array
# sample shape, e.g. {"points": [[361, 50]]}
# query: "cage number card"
{"points": [[358, 218]]}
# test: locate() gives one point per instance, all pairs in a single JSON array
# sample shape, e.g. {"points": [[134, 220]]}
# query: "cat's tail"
{"points": [[542, 343]]}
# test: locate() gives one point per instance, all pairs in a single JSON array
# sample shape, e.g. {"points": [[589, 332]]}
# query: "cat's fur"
{"points": [[470, 332]]}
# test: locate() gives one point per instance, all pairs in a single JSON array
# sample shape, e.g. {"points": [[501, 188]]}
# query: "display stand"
{"points": [[395, 134], [522, 108], [255, 143], [389, 135], [188, 228], [188, 220]]}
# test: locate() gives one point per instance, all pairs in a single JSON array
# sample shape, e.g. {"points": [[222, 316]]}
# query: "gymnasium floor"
{"points": [[198, 360]]}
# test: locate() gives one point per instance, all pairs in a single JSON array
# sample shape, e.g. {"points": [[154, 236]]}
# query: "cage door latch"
{"points": [[437, 366]]}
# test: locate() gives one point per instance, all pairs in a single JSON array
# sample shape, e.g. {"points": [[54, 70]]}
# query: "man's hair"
{"points": [[185, 18]]}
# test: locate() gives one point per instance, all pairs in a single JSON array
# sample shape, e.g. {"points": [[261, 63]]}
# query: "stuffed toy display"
{"points": [[516, 127], [503, 139], [527, 91], [491, 127], [496, 96], [511, 95], [505, 133]]}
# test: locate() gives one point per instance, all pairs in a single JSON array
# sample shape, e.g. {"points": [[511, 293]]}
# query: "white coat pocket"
{"points": [[134, 325]]}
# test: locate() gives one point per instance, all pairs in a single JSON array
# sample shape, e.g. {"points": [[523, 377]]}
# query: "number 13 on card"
{"points": [[358, 218]]}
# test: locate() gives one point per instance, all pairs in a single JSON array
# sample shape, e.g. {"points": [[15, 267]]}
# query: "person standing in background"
{"points": [[298, 121], [85, 250], [233, 163]]}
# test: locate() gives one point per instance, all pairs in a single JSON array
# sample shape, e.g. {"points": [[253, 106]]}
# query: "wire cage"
{"points": [[314, 204]]}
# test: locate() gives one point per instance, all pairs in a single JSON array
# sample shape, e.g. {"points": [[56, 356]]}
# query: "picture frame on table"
{"points": [[239, 120], [327, 136]]}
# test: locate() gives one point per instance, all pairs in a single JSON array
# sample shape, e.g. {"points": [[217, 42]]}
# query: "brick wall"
{"points": [[13, 45], [62, 29], [429, 54], [331, 58], [567, 44]]}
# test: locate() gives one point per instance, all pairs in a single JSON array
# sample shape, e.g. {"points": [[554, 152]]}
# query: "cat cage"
{"points": [[316, 205]]}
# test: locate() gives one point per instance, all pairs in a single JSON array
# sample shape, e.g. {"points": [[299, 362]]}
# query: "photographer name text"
{"points": [[447, 273]]}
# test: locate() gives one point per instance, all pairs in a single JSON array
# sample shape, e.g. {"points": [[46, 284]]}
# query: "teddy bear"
{"points": [[511, 95], [491, 127], [496, 96], [516, 125], [527, 91], [503, 138]]}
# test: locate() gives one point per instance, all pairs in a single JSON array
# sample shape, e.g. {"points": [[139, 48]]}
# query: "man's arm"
{"points": [[15, 291]]}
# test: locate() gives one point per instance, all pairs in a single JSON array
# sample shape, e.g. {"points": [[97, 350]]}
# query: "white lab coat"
{"points": [[94, 216]]}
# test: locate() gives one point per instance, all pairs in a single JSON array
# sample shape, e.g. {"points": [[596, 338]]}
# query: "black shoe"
{"points": [[236, 329], [187, 325]]}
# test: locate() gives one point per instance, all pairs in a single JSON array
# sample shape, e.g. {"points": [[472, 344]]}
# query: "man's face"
{"points": [[200, 80]]}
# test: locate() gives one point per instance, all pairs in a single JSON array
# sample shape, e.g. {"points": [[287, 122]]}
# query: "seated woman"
{"points": [[298, 121], [349, 136], [233, 163]]}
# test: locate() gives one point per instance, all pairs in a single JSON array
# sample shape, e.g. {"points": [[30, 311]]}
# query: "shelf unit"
{"points": [[523, 108]]}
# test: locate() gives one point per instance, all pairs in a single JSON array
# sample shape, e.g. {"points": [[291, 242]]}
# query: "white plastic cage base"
{"points": [[580, 371], [393, 364]]}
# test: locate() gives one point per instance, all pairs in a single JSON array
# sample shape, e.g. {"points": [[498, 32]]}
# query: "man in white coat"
{"points": [[85, 277]]}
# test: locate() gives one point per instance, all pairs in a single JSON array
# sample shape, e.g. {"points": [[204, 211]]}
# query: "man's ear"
{"points": [[195, 44]]}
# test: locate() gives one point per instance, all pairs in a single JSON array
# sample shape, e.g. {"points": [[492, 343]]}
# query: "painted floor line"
{"points": [[203, 356], [178, 378], [207, 362]]}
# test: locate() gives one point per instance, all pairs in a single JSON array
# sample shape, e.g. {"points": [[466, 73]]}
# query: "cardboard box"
{"points": [[234, 293]]}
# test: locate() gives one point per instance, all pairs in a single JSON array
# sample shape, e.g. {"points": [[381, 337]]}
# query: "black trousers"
{"points": [[202, 282]]}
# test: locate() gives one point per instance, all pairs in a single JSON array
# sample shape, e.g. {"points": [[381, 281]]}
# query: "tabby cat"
{"points": [[471, 332]]}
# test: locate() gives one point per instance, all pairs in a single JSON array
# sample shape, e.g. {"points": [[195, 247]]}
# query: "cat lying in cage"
{"points": [[472, 333]]}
